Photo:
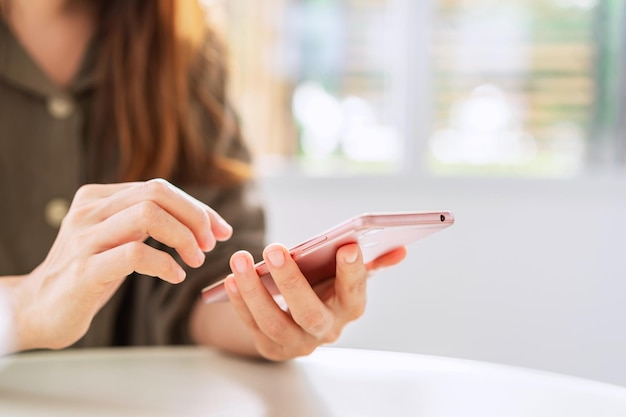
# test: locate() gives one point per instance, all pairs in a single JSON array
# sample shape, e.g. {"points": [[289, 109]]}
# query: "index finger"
{"points": [[305, 306], [204, 222]]}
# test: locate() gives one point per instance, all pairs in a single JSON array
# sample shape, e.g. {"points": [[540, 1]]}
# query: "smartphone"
{"points": [[376, 234]]}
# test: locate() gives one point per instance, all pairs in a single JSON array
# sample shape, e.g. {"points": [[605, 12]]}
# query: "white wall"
{"points": [[532, 274]]}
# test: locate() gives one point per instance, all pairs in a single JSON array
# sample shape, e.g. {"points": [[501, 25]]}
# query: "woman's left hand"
{"points": [[313, 317]]}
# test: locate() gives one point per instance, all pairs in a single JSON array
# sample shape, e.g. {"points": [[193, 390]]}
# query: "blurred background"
{"points": [[508, 113]]}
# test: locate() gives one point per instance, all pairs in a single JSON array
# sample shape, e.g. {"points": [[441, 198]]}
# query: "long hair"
{"points": [[155, 58]]}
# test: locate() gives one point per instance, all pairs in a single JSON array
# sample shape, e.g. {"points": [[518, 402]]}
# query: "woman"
{"points": [[113, 93]]}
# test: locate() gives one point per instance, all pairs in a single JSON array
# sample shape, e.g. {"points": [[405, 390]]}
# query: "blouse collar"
{"points": [[18, 67]]}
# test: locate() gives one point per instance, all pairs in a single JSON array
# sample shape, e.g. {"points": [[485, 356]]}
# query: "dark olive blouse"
{"points": [[47, 150]]}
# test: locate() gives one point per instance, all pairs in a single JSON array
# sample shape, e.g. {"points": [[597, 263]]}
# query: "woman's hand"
{"points": [[314, 316], [100, 243]]}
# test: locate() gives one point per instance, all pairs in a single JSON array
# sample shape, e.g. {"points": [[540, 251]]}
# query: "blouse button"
{"points": [[55, 211], [60, 107]]}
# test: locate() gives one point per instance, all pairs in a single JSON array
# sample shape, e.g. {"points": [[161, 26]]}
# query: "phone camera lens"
{"points": [[443, 218]]}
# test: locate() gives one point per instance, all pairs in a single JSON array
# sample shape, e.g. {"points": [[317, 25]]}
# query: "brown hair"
{"points": [[155, 57]]}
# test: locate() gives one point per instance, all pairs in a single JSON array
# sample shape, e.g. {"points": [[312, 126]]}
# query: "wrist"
{"points": [[14, 331]]}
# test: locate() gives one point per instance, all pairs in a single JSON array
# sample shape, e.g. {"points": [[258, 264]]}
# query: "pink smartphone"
{"points": [[376, 234]]}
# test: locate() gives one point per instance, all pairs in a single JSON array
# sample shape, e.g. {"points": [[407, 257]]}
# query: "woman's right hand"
{"points": [[101, 241]]}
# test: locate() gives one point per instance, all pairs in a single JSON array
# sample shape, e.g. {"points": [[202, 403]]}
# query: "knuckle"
{"points": [[270, 351], [203, 217], [78, 269], [250, 292], [84, 237], [186, 240], [356, 311], [147, 211], [169, 267], [81, 211], [82, 192], [288, 281], [156, 188], [277, 352], [314, 322], [306, 349], [71, 220], [358, 287], [134, 252], [181, 239], [355, 301], [332, 336], [200, 220], [77, 214], [275, 329]]}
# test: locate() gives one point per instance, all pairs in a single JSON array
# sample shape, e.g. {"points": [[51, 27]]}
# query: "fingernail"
{"points": [[241, 264], [276, 258], [181, 275], [351, 257]]}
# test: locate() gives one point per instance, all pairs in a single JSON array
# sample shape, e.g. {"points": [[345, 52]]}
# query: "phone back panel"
{"points": [[376, 234]]}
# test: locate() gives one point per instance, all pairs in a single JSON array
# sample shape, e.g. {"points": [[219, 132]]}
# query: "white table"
{"points": [[331, 382]]}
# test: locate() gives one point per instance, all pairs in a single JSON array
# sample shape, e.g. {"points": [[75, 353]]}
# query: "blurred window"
{"points": [[517, 87]]}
